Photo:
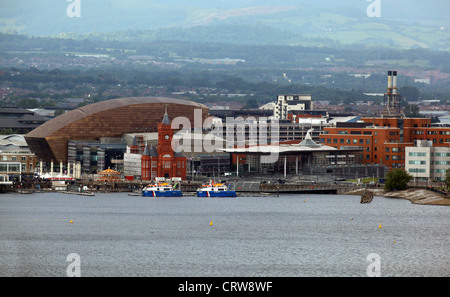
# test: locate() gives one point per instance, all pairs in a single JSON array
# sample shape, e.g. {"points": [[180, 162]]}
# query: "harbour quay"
{"points": [[241, 186]]}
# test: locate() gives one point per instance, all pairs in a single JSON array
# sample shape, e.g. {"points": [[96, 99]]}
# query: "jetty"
{"points": [[78, 193]]}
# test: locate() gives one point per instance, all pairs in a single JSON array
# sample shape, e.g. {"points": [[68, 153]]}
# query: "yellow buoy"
{"points": [[211, 223], [71, 221], [351, 219], [395, 241], [379, 227]]}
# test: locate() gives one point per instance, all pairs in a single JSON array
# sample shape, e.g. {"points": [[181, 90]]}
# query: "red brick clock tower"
{"points": [[163, 162]]}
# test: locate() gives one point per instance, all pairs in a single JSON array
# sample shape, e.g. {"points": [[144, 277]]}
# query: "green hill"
{"points": [[284, 22]]}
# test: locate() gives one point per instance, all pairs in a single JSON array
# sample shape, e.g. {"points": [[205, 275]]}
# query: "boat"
{"points": [[161, 190], [215, 190]]}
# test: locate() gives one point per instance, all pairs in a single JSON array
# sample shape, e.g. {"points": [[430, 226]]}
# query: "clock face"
{"points": [[166, 137]]}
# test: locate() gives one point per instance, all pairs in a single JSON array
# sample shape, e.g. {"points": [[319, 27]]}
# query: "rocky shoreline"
{"points": [[416, 196]]}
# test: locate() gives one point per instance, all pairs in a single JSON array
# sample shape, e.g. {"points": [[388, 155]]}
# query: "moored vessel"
{"points": [[215, 190], [161, 190]]}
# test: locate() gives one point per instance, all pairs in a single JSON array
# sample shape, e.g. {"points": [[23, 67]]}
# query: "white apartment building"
{"points": [[290, 103], [425, 162]]}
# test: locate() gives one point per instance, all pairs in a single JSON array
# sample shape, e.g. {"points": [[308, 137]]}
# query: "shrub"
{"points": [[397, 179]]}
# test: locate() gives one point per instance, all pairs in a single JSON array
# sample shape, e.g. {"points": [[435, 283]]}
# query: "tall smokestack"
{"points": [[389, 82], [394, 82]]}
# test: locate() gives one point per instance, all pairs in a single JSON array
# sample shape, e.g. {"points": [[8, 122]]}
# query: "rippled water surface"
{"points": [[290, 235]]}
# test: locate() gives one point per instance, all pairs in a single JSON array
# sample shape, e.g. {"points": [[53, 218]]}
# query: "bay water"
{"points": [[114, 234]]}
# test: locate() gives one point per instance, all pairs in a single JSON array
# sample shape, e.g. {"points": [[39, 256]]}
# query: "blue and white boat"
{"points": [[161, 190], [215, 190]]}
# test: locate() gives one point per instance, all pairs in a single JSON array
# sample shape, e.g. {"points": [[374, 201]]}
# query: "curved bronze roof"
{"points": [[72, 116]]}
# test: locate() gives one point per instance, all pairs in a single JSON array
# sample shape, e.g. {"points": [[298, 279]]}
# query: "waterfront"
{"points": [[290, 235]]}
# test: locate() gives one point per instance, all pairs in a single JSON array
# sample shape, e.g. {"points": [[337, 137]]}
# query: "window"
{"points": [[417, 170], [387, 157], [387, 150], [396, 149], [414, 154], [418, 162], [355, 141]]}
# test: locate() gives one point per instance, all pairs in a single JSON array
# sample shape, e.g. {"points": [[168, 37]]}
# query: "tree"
{"points": [[251, 103], [412, 111], [397, 179], [410, 93], [447, 178]]}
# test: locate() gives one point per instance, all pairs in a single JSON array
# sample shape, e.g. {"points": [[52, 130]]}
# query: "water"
{"points": [[290, 235]]}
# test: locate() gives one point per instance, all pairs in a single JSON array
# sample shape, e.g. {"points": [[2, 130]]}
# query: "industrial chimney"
{"points": [[392, 98], [389, 86], [394, 82]]}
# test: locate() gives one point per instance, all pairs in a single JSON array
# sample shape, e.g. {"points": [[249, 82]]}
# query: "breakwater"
{"points": [[415, 195]]}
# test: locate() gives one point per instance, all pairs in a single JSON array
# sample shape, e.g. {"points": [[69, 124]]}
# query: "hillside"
{"points": [[401, 24]]}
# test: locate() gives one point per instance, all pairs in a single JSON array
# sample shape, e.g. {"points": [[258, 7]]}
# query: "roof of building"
{"points": [[16, 118], [82, 112], [166, 120], [12, 142], [14, 110], [308, 141]]}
